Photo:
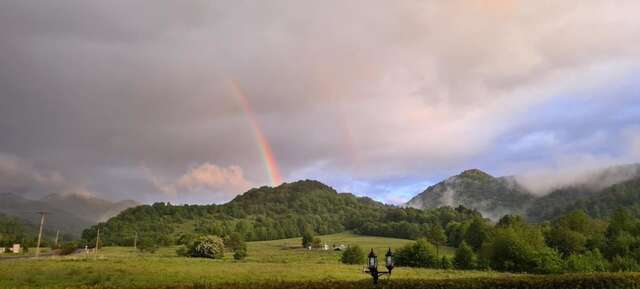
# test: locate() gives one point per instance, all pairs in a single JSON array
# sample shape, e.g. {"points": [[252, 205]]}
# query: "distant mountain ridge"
{"points": [[69, 213], [497, 196], [491, 196]]}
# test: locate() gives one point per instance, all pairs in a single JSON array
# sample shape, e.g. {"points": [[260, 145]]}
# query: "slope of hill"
{"points": [[269, 213], [497, 196], [88, 208], [597, 203], [68, 213], [493, 197]]}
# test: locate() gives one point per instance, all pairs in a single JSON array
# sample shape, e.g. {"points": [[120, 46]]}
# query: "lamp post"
{"points": [[372, 264]]}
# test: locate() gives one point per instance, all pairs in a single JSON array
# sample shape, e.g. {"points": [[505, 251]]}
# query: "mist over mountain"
{"points": [[545, 199], [492, 196], [69, 213]]}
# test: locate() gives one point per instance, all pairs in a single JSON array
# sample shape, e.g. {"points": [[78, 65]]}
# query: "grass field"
{"points": [[281, 260]]}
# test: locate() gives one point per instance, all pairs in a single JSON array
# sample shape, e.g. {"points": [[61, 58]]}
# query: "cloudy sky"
{"points": [[196, 101]]}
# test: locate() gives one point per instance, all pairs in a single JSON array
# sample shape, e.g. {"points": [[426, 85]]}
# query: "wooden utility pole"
{"points": [[57, 233], [97, 242], [42, 214]]}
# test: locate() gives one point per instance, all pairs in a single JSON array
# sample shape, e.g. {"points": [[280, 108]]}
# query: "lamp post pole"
{"points": [[372, 265]]}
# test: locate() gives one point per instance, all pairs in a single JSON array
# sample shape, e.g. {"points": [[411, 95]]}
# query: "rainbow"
{"points": [[263, 143]]}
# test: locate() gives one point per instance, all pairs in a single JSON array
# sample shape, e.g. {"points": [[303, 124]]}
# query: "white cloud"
{"points": [[207, 182]]}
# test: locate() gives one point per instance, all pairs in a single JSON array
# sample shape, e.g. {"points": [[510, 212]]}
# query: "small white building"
{"points": [[2, 250], [16, 248]]}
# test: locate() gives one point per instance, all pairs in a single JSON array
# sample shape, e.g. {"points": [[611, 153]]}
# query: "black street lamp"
{"points": [[373, 265]]}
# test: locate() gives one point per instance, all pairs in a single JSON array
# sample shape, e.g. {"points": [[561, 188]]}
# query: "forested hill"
{"points": [[268, 213], [597, 203]]}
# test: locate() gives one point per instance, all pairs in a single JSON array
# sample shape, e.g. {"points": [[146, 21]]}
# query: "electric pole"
{"points": [[97, 242], [42, 214], [57, 233]]}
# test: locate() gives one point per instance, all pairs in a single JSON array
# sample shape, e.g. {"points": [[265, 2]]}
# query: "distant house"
{"points": [[2, 250], [16, 248], [339, 247]]}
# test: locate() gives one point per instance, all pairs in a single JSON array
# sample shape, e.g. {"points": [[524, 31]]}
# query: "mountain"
{"points": [[491, 196], [68, 213], [598, 192], [88, 208], [598, 203], [269, 213]]}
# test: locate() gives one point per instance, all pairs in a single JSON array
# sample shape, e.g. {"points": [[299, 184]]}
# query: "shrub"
{"points": [[68, 248], [591, 261], [147, 245], [353, 255], [567, 281], [235, 241], [464, 257], [317, 243], [307, 238], [183, 251], [240, 253], [207, 247], [445, 263], [521, 248], [624, 264], [419, 254]]}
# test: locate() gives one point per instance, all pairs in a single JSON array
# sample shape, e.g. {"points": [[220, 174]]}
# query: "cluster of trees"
{"points": [[572, 243], [266, 213], [12, 231]]}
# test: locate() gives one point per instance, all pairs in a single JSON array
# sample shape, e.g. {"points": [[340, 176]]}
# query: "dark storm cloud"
{"points": [[131, 97]]}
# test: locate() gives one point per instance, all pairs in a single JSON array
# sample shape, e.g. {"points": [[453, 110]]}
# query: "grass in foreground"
{"points": [[279, 260]]}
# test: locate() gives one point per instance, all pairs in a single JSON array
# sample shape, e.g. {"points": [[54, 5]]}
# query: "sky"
{"points": [[198, 101]]}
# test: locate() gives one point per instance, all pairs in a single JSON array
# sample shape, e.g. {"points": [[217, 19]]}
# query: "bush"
{"points": [[445, 263], [591, 261], [464, 257], [521, 248], [317, 243], [183, 250], [235, 241], [307, 238], [419, 254], [240, 253], [567, 281], [68, 248], [147, 245], [353, 255], [624, 264], [207, 247]]}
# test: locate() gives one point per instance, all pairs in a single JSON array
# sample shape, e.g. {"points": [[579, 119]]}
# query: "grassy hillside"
{"points": [[267, 261]]}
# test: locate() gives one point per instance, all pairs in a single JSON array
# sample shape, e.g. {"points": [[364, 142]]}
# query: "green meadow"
{"points": [[277, 260]]}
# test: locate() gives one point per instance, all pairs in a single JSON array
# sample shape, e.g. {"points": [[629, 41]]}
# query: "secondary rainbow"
{"points": [[263, 143]]}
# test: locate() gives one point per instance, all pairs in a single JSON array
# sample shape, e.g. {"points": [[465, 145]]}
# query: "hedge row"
{"points": [[566, 281]]}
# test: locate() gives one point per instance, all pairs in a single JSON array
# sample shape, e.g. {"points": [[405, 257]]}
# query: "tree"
{"points": [[307, 238], [353, 255], [207, 247], [464, 257], [477, 234], [591, 261], [240, 253], [235, 241], [419, 254], [437, 236], [148, 245]]}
